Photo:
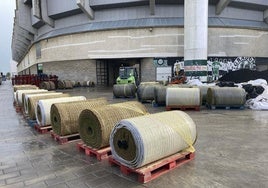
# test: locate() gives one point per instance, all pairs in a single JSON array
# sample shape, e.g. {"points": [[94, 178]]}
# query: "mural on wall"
{"points": [[216, 66]]}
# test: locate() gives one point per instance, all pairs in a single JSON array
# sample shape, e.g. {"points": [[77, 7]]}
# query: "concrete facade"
{"points": [[137, 30]]}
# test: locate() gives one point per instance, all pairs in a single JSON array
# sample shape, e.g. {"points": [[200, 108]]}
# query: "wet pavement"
{"points": [[231, 151]]}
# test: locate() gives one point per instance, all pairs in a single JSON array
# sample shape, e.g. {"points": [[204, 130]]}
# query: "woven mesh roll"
{"points": [[43, 107], [20, 92], [27, 96], [24, 87], [32, 102], [52, 85], [64, 116], [160, 94], [225, 96], [61, 84], [84, 83], [124, 90], [45, 85], [146, 91], [95, 125], [68, 84], [138, 141], [203, 91], [183, 97]]}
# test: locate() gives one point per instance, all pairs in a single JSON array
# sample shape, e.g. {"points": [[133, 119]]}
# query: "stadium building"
{"points": [[90, 39]]}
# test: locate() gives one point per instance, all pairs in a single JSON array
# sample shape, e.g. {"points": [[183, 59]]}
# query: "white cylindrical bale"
{"points": [[183, 97]]}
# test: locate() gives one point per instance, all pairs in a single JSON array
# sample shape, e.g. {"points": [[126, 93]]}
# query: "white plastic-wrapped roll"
{"points": [[42, 110], [20, 92], [138, 141], [27, 96], [183, 97]]}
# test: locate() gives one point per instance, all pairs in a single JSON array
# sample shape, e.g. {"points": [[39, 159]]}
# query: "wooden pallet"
{"points": [[196, 108], [42, 129], [155, 169], [224, 107], [99, 153], [65, 139]]}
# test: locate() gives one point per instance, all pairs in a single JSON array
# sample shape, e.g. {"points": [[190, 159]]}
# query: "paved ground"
{"points": [[231, 151]]}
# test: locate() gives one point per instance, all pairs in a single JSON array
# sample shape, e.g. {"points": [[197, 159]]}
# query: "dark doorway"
{"points": [[107, 70], [102, 72], [115, 64]]}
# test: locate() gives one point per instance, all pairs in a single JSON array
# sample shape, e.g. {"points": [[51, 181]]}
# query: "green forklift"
{"points": [[126, 83], [128, 75]]}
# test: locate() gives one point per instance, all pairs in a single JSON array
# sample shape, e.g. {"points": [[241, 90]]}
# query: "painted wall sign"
{"points": [[216, 66]]}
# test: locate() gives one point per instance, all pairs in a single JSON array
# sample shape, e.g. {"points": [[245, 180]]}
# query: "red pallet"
{"points": [[18, 109], [65, 139], [155, 169], [42, 129], [196, 108], [99, 153]]}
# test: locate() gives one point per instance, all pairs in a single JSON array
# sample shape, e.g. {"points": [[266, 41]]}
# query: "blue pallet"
{"points": [[31, 122], [225, 107]]}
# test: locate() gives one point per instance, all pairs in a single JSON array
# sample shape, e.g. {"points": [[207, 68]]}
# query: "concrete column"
{"points": [[196, 38], [265, 16]]}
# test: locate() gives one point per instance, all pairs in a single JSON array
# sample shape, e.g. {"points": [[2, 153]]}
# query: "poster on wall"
{"points": [[216, 66]]}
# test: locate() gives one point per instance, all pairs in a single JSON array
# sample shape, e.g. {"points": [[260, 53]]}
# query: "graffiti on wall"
{"points": [[217, 67]]}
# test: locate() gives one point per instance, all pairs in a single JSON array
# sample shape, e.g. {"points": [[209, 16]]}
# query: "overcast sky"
{"points": [[6, 22]]}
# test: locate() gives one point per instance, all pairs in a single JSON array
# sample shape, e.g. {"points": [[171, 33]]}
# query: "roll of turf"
{"points": [[203, 91], [52, 85], [226, 96], [61, 84], [20, 92], [145, 92], [24, 87], [43, 107], [95, 125], [64, 116], [138, 141], [124, 90], [32, 102], [26, 97], [45, 85], [183, 97], [160, 94], [68, 84]]}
